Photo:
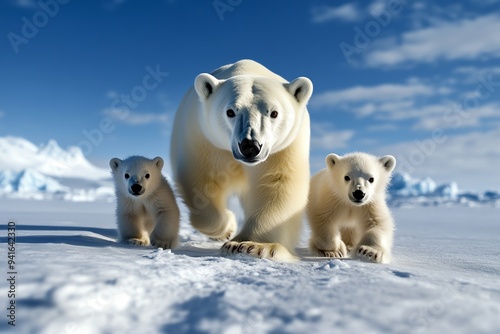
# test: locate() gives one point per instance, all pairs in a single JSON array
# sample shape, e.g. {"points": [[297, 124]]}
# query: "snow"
{"points": [[74, 278]]}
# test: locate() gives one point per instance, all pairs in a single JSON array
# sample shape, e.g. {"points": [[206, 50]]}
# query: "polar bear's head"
{"points": [[252, 116], [359, 178], [136, 176]]}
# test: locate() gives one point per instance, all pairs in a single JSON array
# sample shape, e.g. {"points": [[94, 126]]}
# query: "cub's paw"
{"points": [[335, 253], [369, 253], [271, 251], [165, 244], [136, 241]]}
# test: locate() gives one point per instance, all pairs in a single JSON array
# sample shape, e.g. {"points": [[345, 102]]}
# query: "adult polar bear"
{"points": [[243, 129]]}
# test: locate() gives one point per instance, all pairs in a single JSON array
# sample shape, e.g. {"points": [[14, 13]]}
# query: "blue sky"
{"points": [[419, 80]]}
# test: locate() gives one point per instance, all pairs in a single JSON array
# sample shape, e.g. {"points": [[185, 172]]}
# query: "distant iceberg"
{"points": [[407, 191]]}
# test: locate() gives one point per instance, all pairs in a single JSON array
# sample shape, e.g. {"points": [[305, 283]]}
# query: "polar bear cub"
{"points": [[347, 209], [146, 212]]}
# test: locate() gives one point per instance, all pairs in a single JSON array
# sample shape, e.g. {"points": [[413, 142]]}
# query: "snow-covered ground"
{"points": [[74, 278]]}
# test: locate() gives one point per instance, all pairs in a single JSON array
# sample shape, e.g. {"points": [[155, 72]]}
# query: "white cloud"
{"points": [[441, 116], [348, 13], [470, 159], [112, 94], [410, 101], [472, 74], [323, 138], [450, 40], [135, 118], [377, 6], [387, 110], [382, 127], [380, 93], [446, 114]]}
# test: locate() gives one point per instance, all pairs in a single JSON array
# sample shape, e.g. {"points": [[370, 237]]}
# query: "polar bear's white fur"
{"points": [[146, 212], [243, 129], [347, 209]]}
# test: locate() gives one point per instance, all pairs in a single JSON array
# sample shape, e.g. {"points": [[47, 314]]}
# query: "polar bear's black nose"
{"points": [[358, 195], [136, 188], [249, 148]]}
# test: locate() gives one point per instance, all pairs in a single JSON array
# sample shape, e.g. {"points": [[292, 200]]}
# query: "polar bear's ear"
{"points": [[331, 160], [158, 162], [389, 162], [301, 88], [114, 163], [205, 84]]}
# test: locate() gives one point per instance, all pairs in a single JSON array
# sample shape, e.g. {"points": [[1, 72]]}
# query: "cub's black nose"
{"points": [[136, 188], [358, 195], [249, 148]]}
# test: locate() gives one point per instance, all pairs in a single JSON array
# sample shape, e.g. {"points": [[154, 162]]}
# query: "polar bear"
{"points": [[245, 130], [146, 210], [347, 210]]}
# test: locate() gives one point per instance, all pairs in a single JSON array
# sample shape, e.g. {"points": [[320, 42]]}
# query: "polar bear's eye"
{"points": [[347, 178], [127, 175], [274, 114], [230, 113], [147, 176], [371, 180]]}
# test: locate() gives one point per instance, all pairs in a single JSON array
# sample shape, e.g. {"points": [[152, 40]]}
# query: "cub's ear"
{"points": [[205, 84], [388, 162], [300, 88], [114, 163], [331, 160], [158, 162]]}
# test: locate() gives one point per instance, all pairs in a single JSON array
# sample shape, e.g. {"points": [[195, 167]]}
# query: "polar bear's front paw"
{"points": [[271, 251], [137, 241], [165, 244], [370, 253]]}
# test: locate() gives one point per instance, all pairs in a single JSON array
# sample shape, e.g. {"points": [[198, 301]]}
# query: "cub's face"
{"points": [[136, 176], [252, 116], [359, 177]]}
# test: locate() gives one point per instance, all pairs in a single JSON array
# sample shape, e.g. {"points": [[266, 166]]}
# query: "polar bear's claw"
{"points": [[137, 242], [334, 254], [370, 254], [271, 251]]}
